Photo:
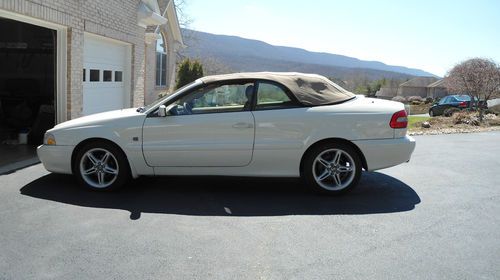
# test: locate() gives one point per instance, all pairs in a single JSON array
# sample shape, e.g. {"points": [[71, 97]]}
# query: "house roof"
{"points": [[171, 14], [439, 83], [419, 82], [387, 92], [309, 89]]}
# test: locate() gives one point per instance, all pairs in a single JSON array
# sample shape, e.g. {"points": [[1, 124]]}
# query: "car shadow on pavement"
{"points": [[222, 196]]}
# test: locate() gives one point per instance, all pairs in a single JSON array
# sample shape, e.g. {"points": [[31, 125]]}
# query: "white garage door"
{"points": [[106, 65]]}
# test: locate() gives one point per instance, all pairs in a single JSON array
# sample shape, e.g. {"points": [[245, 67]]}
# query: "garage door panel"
{"points": [[102, 55]]}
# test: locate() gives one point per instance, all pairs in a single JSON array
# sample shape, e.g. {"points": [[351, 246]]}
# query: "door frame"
{"points": [[60, 95]]}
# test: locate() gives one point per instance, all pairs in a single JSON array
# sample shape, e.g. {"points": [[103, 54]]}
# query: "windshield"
{"points": [[462, 98], [168, 97]]}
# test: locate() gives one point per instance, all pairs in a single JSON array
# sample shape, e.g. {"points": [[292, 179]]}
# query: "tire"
{"points": [[431, 113], [101, 166], [332, 168]]}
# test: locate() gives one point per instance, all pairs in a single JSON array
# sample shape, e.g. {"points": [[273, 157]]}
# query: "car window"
{"points": [[273, 96], [462, 98], [443, 100], [215, 98]]}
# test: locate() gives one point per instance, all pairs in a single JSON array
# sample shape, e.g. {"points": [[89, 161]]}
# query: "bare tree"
{"points": [[184, 19], [213, 66], [477, 77], [185, 24]]}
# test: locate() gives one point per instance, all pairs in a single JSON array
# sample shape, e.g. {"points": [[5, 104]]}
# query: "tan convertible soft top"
{"points": [[309, 89]]}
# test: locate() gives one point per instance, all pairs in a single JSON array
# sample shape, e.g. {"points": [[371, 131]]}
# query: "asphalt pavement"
{"points": [[436, 217]]}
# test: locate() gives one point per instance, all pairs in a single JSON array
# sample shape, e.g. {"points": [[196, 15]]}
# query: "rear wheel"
{"points": [[101, 166], [332, 168]]}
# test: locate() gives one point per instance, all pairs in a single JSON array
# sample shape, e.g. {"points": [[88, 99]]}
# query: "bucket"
{"points": [[23, 136]]}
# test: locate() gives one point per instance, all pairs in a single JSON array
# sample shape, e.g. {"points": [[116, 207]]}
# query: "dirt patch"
{"points": [[462, 122]]}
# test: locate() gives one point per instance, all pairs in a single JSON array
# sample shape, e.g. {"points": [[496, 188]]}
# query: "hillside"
{"points": [[240, 54]]}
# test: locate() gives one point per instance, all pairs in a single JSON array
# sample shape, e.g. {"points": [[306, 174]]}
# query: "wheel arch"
{"points": [[334, 140], [98, 139]]}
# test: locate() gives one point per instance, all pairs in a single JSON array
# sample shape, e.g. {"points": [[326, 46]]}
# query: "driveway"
{"points": [[436, 217]]}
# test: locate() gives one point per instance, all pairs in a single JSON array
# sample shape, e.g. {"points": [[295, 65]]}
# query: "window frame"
{"points": [[162, 63], [294, 101], [207, 85]]}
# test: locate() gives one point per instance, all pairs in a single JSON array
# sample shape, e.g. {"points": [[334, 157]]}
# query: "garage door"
{"points": [[106, 66]]}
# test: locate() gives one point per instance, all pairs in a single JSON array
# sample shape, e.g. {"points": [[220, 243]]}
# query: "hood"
{"points": [[99, 118]]}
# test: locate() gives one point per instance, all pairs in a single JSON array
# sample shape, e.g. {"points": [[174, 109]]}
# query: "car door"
{"points": [[281, 128], [442, 105], [207, 127]]}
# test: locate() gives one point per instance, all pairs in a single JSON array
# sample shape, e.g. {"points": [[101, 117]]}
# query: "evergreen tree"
{"points": [[188, 71]]}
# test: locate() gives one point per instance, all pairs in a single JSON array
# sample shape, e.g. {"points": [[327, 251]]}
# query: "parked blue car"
{"points": [[451, 101]]}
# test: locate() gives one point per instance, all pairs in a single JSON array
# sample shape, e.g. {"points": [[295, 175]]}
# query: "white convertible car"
{"points": [[245, 124]]}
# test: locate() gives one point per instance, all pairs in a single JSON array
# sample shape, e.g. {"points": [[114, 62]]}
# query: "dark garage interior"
{"points": [[27, 88]]}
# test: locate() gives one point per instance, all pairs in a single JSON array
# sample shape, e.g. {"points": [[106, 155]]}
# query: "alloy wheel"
{"points": [[333, 169], [99, 168]]}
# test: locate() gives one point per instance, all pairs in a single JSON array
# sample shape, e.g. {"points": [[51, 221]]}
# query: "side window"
{"points": [[273, 96], [215, 99], [443, 100]]}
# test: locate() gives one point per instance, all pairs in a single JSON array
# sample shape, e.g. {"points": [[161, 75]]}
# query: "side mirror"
{"points": [[162, 111]]}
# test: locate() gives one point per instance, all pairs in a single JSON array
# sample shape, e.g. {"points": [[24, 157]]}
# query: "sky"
{"points": [[428, 35]]}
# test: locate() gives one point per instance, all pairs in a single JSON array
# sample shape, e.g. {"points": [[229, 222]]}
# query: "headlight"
{"points": [[49, 139]]}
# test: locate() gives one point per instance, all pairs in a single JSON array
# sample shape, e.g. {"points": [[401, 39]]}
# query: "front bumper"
{"points": [[56, 158], [385, 153]]}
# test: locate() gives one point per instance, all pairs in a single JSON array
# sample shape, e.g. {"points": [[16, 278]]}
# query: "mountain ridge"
{"points": [[231, 49]]}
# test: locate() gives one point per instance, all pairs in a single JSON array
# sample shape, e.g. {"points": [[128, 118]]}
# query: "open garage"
{"points": [[27, 86]]}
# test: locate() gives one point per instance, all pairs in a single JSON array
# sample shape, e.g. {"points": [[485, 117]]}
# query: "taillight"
{"points": [[399, 120], [462, 104]]}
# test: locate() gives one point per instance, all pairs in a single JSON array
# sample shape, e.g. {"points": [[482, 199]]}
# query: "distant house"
{"points": [[416, 87], [437, 89], [387, 92], [419, 86]]}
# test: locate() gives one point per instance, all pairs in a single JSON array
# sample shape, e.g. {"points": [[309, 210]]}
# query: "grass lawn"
{"points": [[412, 120]]}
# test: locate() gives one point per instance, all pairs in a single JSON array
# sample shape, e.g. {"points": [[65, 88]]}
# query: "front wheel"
{"points": [[332, 168], [431, 113], [101, 166]]}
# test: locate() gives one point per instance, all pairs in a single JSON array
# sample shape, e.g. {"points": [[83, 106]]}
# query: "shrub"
{"points": [[188, 71], [415, 98], [399, 99], [450, 111], [429, 100], [465, 118]]}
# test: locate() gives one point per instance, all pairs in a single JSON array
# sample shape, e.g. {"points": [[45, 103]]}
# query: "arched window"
{"points": [[161, 61]]}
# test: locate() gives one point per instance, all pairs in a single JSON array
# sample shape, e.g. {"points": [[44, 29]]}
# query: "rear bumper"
{"points": [[385, 153], [55, 158]]}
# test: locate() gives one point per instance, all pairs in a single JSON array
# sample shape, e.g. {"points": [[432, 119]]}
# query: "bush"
{"points": [[429, 100], [464, 117], [450, 111], [399, 99], [188, 72], [415, 98]]}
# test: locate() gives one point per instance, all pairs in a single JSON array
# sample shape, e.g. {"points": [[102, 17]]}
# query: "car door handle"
{"points": [[242, 125]]}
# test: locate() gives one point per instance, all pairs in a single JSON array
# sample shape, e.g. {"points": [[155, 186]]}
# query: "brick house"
{"points": [[416, 87], [425, 87], [76, 58]]}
